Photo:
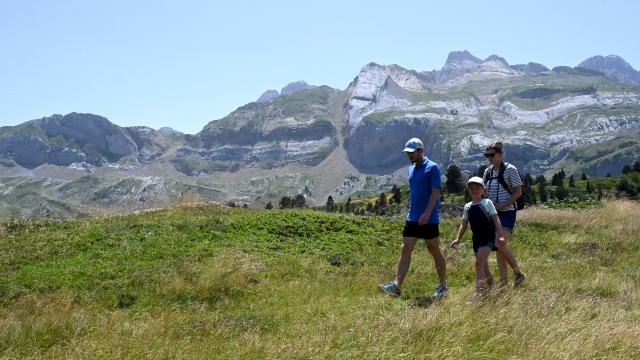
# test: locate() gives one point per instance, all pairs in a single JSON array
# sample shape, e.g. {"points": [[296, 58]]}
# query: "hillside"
{"points": [[323, 141], [214, 282]]}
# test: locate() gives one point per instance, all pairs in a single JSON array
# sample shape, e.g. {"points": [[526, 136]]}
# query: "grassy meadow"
{"points": [[204, 282]]}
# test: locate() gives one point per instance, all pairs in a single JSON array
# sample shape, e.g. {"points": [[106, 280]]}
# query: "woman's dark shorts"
{"points": [[508, 219], [426, 231]]}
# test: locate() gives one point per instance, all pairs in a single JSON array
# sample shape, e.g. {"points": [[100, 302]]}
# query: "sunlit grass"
{"points": [[213, 282]]}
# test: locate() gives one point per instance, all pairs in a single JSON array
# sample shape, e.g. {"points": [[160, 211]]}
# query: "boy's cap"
{"points": [[413, 145], [475, 180]]}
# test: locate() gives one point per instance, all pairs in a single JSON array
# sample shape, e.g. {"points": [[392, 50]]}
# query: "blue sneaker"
{"points": [[390, 289], [441, 291]]}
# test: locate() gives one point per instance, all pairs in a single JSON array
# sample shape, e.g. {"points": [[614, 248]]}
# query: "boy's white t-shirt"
{"points": [[485, 204]]}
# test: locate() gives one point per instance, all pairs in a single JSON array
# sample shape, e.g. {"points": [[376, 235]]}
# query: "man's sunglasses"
{"points": [[489, 155]]}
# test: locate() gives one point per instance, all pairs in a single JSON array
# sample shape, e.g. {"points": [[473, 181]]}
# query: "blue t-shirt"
{"points": [[423, 178]]}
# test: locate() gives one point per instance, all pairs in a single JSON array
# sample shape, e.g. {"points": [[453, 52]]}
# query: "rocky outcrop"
{"points": [[267, 95], [302, 115], [378, 87], [293, 128], [458, 63], [30, 151], [376, 148], [295, 86], [288, 89], [463, 66], [92, 132], [151, 144], [195, 162], [63, 140], [614, 67], [574, 118], [559, 113], [531, 68], [165, 130], [604, 100]]}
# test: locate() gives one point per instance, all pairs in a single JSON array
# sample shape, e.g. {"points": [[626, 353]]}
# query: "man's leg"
{"points": [[441, 265], [408, 243]]}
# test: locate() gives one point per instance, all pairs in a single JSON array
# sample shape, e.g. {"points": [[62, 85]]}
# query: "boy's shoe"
{"points": [[440, 292], [390, 289], [518, 279]]}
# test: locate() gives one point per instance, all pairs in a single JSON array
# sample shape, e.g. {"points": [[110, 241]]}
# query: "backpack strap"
{"points": [[519, 203], [484, 211], [489, 178], [501, 180]]}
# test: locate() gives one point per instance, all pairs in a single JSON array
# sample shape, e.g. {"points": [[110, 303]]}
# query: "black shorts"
{"points": [[426, 231], [488, 241]]}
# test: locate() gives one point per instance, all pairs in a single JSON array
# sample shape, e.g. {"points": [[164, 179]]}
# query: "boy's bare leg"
{"points": [[482, 277], [490, 281]]}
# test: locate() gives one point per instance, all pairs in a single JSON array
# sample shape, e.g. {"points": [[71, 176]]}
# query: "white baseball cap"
{"points": [[413, 145], [475, 180]]}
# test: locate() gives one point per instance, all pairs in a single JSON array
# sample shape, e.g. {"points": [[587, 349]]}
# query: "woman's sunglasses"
{"points": [[489, 155]]}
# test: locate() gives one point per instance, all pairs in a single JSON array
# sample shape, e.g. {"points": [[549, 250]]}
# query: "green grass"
{"points": [[384, 116], [26, 129], [418, 97], [608, 154], [539, 97], [213, 282], [304, 102]]}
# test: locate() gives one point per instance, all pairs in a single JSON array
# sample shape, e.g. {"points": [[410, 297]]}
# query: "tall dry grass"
{"points": [[581, 301]]}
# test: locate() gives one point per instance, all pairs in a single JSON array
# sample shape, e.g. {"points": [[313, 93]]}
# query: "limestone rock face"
{"points": [[377, 147], [322, 141], [614, 67], [151, 144], [531, 68], [293, 128], [63, 140], [542, 114], [295, 86], [288, 89], [267, 95]]}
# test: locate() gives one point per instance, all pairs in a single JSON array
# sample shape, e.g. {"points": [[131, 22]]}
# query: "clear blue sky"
{"points": [[184, 63]]}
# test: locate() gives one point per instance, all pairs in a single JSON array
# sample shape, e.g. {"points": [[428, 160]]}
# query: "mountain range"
{"points": [[322, 141]]}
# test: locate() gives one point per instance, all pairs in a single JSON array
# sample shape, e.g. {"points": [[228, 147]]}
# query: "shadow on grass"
{"points": [[422, 301]]}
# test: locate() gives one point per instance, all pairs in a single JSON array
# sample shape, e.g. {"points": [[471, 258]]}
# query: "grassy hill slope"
{"points": [[213, 282]]}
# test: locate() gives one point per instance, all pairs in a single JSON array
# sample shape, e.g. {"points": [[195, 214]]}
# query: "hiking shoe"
{"points": [[502, 285], [390, 289], [518, 279], [440, 292], [476, 298]]}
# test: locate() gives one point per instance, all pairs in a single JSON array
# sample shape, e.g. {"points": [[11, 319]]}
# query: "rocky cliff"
{"points": [[321, 141], [614, 67]]}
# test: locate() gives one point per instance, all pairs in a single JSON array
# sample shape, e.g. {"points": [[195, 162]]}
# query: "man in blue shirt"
{"points": [[425, 184]]}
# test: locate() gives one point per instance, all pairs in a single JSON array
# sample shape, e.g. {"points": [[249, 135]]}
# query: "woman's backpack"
{"points": [[519, 201]]}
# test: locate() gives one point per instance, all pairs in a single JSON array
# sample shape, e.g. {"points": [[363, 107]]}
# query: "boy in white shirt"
{"points": [[486, 228]]}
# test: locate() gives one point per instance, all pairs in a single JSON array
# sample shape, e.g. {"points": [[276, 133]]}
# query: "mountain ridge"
{"points": [[265, 149]]}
